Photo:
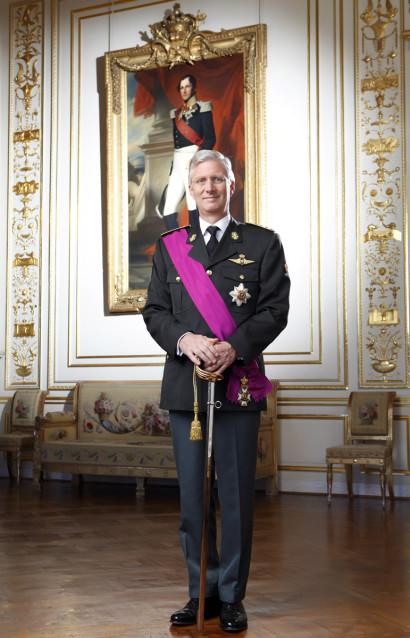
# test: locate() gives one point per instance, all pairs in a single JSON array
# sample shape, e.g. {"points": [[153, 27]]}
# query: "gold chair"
{"points": [[26, 405], [369, 440]]}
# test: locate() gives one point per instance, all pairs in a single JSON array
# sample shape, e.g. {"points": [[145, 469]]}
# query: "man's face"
{"points": [[211, 190], [186, 89]]}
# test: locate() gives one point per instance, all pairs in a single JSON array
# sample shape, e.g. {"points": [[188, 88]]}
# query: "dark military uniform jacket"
{"points": [[170, 312], [199, 118]]}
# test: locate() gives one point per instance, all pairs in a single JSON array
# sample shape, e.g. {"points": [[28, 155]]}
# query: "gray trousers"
{"points": [[235, 442]]}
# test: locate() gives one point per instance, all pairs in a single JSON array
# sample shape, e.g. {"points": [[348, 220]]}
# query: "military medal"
{"points": [[240, 295], [188, 109], [244, 395]]}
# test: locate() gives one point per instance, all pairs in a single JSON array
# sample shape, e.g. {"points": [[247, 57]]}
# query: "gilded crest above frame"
{"points": [[142, 94]]}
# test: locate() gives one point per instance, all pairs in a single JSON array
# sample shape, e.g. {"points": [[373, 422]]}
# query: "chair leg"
{"points": [[349, 479], [9, 456], [329, 476], [140, 481], [18, 466], [383, 485], [271, 486], [389, 474], [37, 476], [77, 480]]}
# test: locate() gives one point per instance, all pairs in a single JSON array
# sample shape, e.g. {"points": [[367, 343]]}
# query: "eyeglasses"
{"points": [[215, 180]]}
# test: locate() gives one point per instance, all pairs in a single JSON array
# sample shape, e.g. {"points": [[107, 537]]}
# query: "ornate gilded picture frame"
{"points": [[142, 90]]}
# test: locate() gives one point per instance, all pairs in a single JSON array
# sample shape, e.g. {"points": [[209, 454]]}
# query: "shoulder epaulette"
{"points": [[259, 226], [167, 232], [205, 106]]}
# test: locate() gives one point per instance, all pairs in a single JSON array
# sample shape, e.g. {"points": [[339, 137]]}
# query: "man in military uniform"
{"points": [[193, 129], [218, 297]]}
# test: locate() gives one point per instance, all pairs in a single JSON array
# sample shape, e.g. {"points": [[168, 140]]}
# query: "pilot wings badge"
{"points": [[242, 261]]}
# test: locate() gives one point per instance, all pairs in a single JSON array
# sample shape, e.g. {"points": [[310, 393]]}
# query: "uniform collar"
{"points": [[187, 106], [221, 223], [229, 244]]}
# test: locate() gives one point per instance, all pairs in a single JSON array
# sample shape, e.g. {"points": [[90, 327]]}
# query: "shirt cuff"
{"points": [[178, 349]]}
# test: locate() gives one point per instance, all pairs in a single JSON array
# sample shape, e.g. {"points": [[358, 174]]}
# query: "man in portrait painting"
{"points": [[193, 129]]}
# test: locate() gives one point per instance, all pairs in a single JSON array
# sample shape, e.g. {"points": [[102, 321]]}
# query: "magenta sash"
{"points": [[213, 309]]}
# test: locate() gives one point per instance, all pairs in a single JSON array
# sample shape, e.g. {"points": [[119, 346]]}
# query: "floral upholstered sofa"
{"points": [[116, 428]]}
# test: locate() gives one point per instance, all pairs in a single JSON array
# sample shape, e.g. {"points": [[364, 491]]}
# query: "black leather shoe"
{"points": [[187, 615], [233, 617]]}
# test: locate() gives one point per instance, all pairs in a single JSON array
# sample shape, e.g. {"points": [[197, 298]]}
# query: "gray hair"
{"points": [[205, 156]]}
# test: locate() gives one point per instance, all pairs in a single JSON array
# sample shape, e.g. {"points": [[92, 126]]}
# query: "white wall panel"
{"points": [[301, 91], [298, 439]]}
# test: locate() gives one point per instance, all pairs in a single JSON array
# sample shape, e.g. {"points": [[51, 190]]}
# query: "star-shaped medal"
{"points": [[240, 294]]}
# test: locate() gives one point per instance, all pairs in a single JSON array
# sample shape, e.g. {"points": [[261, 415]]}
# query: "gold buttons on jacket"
{"points": [[178, 279], [241, 276], [209, 272]]}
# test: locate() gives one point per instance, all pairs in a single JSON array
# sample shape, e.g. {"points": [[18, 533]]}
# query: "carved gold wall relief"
{"points": [[24, 206], [381, 204]]}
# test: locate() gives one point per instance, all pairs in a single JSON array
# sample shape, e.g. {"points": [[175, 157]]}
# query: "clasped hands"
{"points": [[209, 353]]}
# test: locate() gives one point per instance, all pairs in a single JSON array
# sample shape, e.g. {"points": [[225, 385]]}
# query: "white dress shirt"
{"points": [[222, 225]]}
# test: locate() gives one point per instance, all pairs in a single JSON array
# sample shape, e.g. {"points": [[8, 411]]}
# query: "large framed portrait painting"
{"points": [[144, 91]]}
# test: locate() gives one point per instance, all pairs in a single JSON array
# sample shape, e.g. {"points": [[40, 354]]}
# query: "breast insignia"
{"points": [[240, 294], [242, 261]]}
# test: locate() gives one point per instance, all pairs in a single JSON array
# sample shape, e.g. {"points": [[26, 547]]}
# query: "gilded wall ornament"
{"points": [[383, 348], [24, 195], [176, 40], [381, 207]]}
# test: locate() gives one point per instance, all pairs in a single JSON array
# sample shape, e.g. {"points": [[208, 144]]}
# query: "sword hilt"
{"points": [[208, 376], [196, 432]]}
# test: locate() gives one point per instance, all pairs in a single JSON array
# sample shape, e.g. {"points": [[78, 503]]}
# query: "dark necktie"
{"points": [[213, 242]]}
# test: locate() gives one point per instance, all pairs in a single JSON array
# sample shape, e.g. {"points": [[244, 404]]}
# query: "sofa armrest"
{"points": [[56, 425], [58, 417]]}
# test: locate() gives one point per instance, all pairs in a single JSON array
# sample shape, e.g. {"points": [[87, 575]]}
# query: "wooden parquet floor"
{"points": [[102, 564]]}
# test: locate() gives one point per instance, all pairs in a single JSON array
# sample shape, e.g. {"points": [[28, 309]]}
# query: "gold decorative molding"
{"points": [[383, 316], [127, 300], [176, 40], [24, 330], [24, 204], [381, 200], [25, 260], [380, 84], [382, 236]]}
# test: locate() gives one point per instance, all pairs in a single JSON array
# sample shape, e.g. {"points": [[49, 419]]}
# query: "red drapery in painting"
{"points": [[220, 81]]}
